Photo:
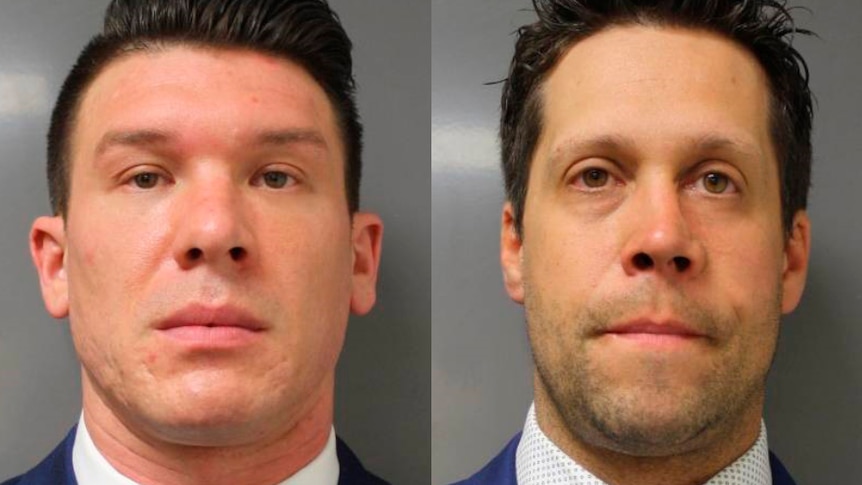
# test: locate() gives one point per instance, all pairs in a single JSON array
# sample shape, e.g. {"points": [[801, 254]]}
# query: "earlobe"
{"points": [[48, 250], [510, 255], [367, 244], [797, 250]]}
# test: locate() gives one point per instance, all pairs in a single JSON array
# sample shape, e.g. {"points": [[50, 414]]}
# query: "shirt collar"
{"points": [[91, 467], [539, 461]]}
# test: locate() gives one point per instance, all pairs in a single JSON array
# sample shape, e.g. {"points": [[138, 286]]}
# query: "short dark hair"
{"points": [[763, 27], [307, 32]]}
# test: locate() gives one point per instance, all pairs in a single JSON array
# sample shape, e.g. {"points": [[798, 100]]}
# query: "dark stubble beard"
{"points": [[595, 411]]}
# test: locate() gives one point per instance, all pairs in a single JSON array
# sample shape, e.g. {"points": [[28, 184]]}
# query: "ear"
{"points": [[367, 242], [797, 250], [511, 255], [48, 250]]}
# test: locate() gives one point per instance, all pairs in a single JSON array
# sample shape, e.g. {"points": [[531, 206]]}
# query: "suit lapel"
{"points": [[350, 470], [55, 469]]}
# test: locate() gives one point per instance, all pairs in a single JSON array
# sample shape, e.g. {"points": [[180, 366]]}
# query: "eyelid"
{"points": [[577, 170], [127, 177], [294, 175], [733, 186]]}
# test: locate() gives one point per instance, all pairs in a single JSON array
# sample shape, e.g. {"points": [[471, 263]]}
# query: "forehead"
{"points": [[222, 94], [657, 84]]}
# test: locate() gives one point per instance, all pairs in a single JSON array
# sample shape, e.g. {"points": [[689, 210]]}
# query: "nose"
{"points": [[211, 227], [660, 240]]}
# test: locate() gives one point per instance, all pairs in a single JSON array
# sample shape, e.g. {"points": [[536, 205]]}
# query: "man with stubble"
{"points": [[656, 157]]}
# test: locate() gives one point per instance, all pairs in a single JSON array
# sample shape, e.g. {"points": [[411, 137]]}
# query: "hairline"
{"points": [[537, 96]]}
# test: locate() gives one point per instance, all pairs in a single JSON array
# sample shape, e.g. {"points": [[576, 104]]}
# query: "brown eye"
{"points": [[275, 180], [595, 178], [715, 183], [146, 180]]}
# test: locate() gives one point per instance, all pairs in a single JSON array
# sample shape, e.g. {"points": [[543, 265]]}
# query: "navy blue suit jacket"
{"points": [[501, 470], [56, 469]]}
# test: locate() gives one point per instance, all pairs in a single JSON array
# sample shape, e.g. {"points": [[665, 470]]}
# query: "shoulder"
{"points": [[56, 468], [500, 470], [351, 471], [780, 475]]}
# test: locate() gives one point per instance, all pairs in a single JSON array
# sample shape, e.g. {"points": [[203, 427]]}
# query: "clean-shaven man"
{"points": [[206, 244]]}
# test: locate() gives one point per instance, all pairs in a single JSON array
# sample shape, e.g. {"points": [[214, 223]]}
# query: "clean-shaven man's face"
{"points": [[208, 262], [652, 264]]}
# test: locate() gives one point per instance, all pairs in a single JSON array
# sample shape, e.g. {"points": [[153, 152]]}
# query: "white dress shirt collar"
{"points": [[540, 462], [92, 468]]}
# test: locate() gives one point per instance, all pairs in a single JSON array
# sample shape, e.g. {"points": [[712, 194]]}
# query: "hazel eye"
{"points": [[716, 183], [276, 180], [595, 178], [146, 180]]}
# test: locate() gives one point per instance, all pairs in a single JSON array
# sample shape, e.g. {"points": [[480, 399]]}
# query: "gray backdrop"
{"points": [[481, 367], [383, 391]]}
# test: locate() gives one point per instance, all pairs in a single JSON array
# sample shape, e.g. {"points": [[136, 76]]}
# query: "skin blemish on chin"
{"points": [[152, 357]]}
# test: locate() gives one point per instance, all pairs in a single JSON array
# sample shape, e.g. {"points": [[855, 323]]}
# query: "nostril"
{"points": [[237, 253], [642, 261], [682, 263], [195, 254]]}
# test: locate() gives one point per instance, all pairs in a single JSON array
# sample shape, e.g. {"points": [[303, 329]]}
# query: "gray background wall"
{"points": [[383, 391], [481, 367]]}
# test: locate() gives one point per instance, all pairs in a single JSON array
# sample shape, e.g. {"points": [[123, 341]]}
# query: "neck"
{"points": [[716, 450], [145, 458]]}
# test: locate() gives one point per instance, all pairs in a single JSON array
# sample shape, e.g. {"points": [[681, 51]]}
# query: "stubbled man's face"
{"points": [[652, 264]]}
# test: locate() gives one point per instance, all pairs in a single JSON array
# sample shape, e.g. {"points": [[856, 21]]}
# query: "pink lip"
{"points": [[663, 335], [647, 327], [202, 326], [204, 316]]}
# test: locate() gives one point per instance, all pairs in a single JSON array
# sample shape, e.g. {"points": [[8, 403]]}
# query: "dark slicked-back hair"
{"points": [[306, 32], [763, 27]]}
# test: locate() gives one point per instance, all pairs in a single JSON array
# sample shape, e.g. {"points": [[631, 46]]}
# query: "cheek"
{"points": [[749, 260], [311, 251], [565, 268], [746, 280], [308, 264], [571, 260], [110, 263], [91, 285], [113, 259]]}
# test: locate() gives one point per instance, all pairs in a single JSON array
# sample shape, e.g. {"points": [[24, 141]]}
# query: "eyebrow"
{"points": [[290, 137], [713, 142], [615, 143], [135, 138], [602, 143], [149, 138]]}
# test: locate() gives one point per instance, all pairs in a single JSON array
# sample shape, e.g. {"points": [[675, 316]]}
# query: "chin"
{"points": [[219, 417], [648, 424], [196, 428]]}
